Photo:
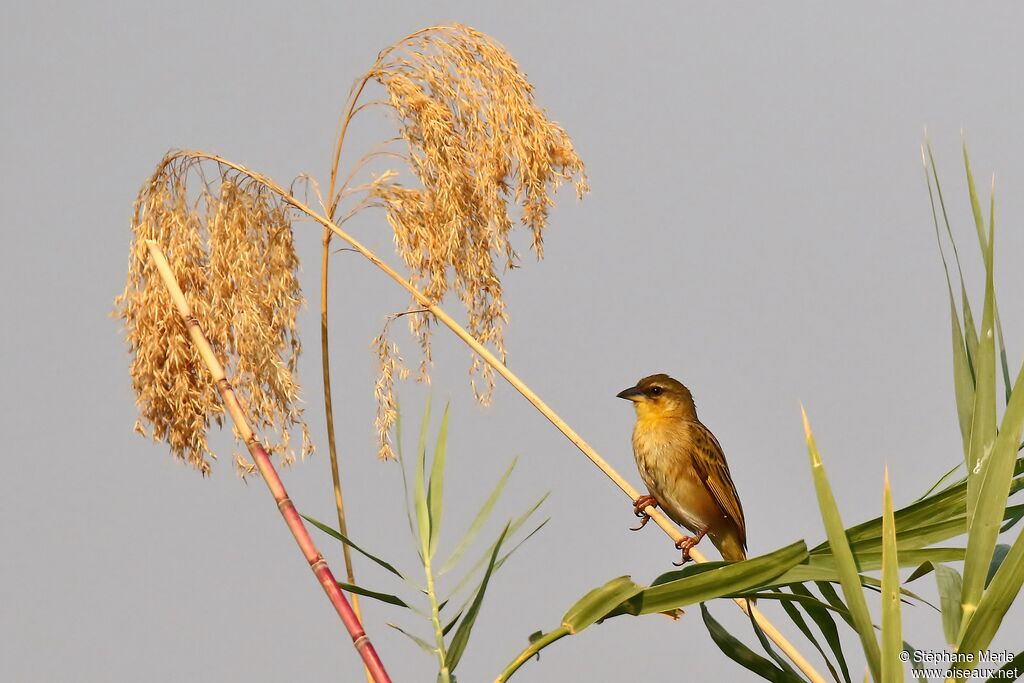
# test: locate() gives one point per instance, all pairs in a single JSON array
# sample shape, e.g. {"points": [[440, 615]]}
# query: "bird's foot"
{"points": [[638, 509], [687, 542]]}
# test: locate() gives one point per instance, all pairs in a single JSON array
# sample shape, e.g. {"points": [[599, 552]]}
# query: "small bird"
{"points": [[684, 468]]}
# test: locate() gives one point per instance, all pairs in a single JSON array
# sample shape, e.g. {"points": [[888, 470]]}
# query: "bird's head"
{"points": [[660, 396]]}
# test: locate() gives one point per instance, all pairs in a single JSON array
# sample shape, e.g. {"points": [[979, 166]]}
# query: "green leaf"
{"points": [[596, 604], [818, 612], [996, 485], [953, 470], [797, 618], [949, 585], [963, 377], [435, 493], [726, 579], [892, 629], [341, 537], [423, 645], [871, 560], [998, 555], [478, 522], [995, 601], [910, 650], [849, 578], [512, 529], [1016, 665], [459, 641], [985, 469], [419, 491], [1013, 515], [382, 597], [767, 646], [401, 467], [735, 650]]}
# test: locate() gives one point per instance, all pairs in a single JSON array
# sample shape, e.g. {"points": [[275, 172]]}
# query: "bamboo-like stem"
{"points": [[360, 640], [660, 519], [444, 674]]}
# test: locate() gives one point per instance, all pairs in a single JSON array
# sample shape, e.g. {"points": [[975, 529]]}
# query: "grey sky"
{"points": [[758, 228]]}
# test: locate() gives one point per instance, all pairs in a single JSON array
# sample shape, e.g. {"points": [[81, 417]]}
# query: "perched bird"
{"points": [[684, 468]]}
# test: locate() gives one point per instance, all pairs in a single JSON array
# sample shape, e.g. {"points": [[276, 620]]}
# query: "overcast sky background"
{"points": [[758, 227]]}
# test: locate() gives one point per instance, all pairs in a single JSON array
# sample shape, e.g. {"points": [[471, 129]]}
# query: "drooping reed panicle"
{"points": [[230, 245]]}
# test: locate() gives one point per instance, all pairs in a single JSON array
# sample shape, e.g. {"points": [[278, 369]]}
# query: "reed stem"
{"points": [[660, 519], [284, 504]]}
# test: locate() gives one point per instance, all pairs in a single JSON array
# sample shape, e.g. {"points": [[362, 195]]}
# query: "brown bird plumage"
{"points": [[684, 467]]}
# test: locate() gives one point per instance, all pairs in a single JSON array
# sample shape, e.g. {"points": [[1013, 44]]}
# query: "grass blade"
{"points": [[478, 522], [382, 597], [596, 604], [435, 492], [1016, 665], [991, 506], [512, 529], [419, 490], [767, 646], [953, 470], [849, 578], [963, 377], [401, 466], [459, 641], [826, 624], [794, 614], [423, 645], [735, 650], [995, 602], [892, 629], [949, 585], [341, 537], [722, 579], [982, 526]]}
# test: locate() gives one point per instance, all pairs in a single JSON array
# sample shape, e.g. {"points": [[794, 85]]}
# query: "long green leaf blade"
{"points": [[963, 378], [478, 522], [826, 624], [735, 650], [341, 537], [423, 645], [596, 604], [949, 584], [725, 579], [435, 493], [849, 578], [995, 602], [1015, 665], [982, 525], [459, 641], [798, 619], [995, 489], [512, 529], [376, 595], [892, 629], [419, 491]]}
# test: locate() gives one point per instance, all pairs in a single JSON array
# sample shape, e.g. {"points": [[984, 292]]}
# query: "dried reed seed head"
{"points": [[231, 249], [479, 145]]}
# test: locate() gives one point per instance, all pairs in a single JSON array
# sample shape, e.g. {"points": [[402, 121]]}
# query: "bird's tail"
{"points": [[732, 549]]}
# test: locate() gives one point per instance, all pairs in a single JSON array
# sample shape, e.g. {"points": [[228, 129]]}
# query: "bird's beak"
{"points": [[632, 394]]}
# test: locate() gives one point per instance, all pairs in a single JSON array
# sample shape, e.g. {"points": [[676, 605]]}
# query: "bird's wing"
{"points": [[712, 469]]}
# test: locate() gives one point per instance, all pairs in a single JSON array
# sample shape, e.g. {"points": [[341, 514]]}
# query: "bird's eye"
{"points": [[656, 391]]}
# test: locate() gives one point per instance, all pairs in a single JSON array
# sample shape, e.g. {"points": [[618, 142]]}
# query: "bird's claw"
{"points": [[638, 509], [685, 544]]}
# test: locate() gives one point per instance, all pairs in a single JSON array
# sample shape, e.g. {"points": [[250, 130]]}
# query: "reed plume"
{"points": [[484, 156], [230, 245]]}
